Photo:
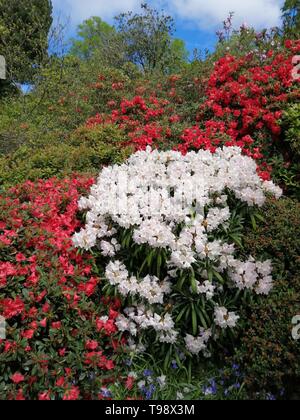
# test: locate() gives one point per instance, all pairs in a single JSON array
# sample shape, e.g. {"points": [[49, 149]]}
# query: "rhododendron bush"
{"points": [[170, 228], [60, 327], [149, 261], [240, 104]]}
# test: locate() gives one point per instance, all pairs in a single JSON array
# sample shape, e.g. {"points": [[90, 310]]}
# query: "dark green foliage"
{"points": [[148, 40], [24, 28], [291, 125], [85, 152], [287, 166], [92, 34], [291, 18], [98, 40], [269, 355]]}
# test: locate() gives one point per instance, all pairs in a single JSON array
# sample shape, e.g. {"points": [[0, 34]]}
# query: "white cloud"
{"points": [[206, 14], [78, 10], [209, 13]]}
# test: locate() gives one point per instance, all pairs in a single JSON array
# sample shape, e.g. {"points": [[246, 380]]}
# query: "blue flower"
{"points": [[236, 370], [92, 376], [105, 393], [174, 364], [226, 392], [212, 389], [149, 392], [148, 373]]}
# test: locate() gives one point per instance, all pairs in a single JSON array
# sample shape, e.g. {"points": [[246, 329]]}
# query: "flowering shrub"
{"points": [[244, 106], [170, 229], [240, 104], [240, 101], [60, 329], [164, 264]]}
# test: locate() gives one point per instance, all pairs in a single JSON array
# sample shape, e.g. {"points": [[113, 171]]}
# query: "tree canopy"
{"points": [[291, 18], [24, 29], [148, 39], [93, 34]]}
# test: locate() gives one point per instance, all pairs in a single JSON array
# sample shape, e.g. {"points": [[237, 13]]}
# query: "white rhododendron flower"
{"points": [[207, 288], [177, 207], [195, 345], [225, 319], [253, 275]]}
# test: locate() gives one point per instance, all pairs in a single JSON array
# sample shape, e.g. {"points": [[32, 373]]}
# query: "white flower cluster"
{"points": [[253, 275], [176, 203], [143, 318], [198, 344], [150, 288], [206, 288], [154, 191], [225, 319]]}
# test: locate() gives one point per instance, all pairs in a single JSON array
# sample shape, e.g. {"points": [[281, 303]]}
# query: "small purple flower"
{"points": [[212, 389], [105, 393], [226, 392], [149, 392], [282, 392], [92, 377], [148, 373], [174, 365]]}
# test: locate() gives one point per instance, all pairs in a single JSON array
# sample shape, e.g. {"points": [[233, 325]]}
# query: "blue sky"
{"points": [[196, 20]]}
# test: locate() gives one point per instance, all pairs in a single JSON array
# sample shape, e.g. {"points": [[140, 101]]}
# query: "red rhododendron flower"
{"points": [[28, 334], [17, 378], [56, 325], [60, 382], [20, 396], [44, 396], [11, 307], [72, 394], [130, 382], [91, 345]]}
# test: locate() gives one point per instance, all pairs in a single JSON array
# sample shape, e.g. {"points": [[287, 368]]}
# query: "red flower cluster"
{"points": [[58, 324], [242, 107]]}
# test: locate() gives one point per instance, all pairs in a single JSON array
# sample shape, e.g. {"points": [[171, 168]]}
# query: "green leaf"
{"points": [[254, 225], [194, 284], [219, 277], [236, 240], [201, 317], [159, 264], [178, 319], [194, 320]]}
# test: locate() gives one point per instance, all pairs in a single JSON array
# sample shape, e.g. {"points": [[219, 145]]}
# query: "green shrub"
{"points": [[285, 163], [291, 124], [268, 353], [85, 152]]}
